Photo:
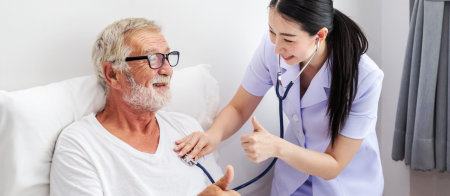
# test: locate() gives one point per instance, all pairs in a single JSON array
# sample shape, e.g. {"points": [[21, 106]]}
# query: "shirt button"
{"points": [[295, 117]]}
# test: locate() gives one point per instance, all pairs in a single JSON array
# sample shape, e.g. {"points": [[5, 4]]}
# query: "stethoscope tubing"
{"points": [[280, 113]]}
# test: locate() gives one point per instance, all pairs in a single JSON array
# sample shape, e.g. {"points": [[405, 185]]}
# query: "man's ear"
{"points": [[111, 75]]}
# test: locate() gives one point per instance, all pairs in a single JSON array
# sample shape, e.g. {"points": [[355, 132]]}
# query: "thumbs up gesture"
{"points": [[259, 145], [220, 187]]}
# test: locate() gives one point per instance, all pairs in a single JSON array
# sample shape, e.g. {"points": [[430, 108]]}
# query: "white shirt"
{"points": [[308, 123], [89, 160]]}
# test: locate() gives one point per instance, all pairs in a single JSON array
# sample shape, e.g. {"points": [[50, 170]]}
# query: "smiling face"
{"points": [[292, 43], [148, 89]]}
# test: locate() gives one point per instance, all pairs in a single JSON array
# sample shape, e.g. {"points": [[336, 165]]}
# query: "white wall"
{"points": [[394, 32], [50, 40]]}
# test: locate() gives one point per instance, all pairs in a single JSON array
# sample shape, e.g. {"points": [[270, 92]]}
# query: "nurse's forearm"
{"points": [[308, 161], [227, 123], [234, 115]]}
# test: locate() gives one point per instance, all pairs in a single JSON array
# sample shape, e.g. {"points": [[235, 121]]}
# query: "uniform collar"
{"points": [[318, 88], [288, 72]]}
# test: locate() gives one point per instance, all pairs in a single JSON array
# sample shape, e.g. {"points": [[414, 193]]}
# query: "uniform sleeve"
{"points": [[257, 78], [363, 114], [71, 173]]}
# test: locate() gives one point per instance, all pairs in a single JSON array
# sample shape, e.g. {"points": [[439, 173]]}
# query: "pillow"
{"points": [[31, 119], [195, 92]]}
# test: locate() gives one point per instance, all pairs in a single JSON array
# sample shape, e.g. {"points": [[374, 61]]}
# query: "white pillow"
{"points": [[31, 119], [195, 92]]}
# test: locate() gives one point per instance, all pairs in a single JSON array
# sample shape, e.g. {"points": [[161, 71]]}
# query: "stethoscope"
{"points": [[191, 162]]}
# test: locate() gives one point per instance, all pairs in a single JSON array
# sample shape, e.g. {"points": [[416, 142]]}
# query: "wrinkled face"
{"points": [[292, 43], [148, 89]]}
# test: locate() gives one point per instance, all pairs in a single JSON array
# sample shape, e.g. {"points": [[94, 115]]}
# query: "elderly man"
{"points": [[127, 149]]}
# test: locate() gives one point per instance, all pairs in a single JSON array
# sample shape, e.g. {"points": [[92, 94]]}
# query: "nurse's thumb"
{"points": [[256, 125], [226, 179]]}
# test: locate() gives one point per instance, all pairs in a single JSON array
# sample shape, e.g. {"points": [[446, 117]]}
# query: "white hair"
{"points": [[110, 45], [147, 98]]}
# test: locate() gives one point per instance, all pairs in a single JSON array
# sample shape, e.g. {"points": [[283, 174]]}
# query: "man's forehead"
{"points": [[152, 50], [149, 42]]}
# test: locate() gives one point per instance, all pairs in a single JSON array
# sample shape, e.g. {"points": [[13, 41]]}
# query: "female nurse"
{"points": [[330, 145]]}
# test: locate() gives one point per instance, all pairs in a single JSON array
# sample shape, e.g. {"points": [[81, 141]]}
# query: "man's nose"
{"points": [[165, 69]]}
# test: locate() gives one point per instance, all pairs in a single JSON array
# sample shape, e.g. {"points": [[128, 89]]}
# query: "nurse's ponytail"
{"points": [[345, 42]]}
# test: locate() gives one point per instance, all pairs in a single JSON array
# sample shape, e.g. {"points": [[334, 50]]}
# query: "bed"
{"points": [[31, 119]]}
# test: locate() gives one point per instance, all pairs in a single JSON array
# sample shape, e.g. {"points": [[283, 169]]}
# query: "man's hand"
{"points": [[220, 187]]}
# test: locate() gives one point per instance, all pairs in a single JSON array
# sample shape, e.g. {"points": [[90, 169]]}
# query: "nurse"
{"points": [[330, 145]]}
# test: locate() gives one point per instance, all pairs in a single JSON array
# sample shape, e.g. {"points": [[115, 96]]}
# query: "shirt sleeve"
{"points": [[362, 118], [257, 78], [71, 173]]}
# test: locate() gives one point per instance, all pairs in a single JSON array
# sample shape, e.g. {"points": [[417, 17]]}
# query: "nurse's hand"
{"points": [[220, 187], [200, 143], [260, 145]]}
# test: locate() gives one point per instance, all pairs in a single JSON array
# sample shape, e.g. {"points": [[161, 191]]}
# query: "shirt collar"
{"points": [[318, 88], [288, 72]]}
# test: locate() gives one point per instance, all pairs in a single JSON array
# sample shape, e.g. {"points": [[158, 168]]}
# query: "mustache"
{"points": [[160, 79]]}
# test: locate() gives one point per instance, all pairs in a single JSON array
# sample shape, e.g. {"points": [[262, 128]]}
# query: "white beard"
{"points": [[147, 99]]}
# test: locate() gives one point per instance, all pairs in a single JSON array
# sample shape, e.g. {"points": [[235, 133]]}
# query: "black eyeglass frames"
{"points": [[156, 60]]}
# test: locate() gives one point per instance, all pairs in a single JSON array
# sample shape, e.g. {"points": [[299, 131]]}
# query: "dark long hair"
{"points": [[345, 42]]}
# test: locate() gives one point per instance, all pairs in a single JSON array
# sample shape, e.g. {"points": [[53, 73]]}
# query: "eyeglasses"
{"points": [[155, 61]]}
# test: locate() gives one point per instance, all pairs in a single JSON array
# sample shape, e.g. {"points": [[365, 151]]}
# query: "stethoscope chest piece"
{"points": [[188, 161]]}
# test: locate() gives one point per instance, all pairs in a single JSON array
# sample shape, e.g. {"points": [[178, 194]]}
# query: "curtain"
{"points": [[422, 125]]}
